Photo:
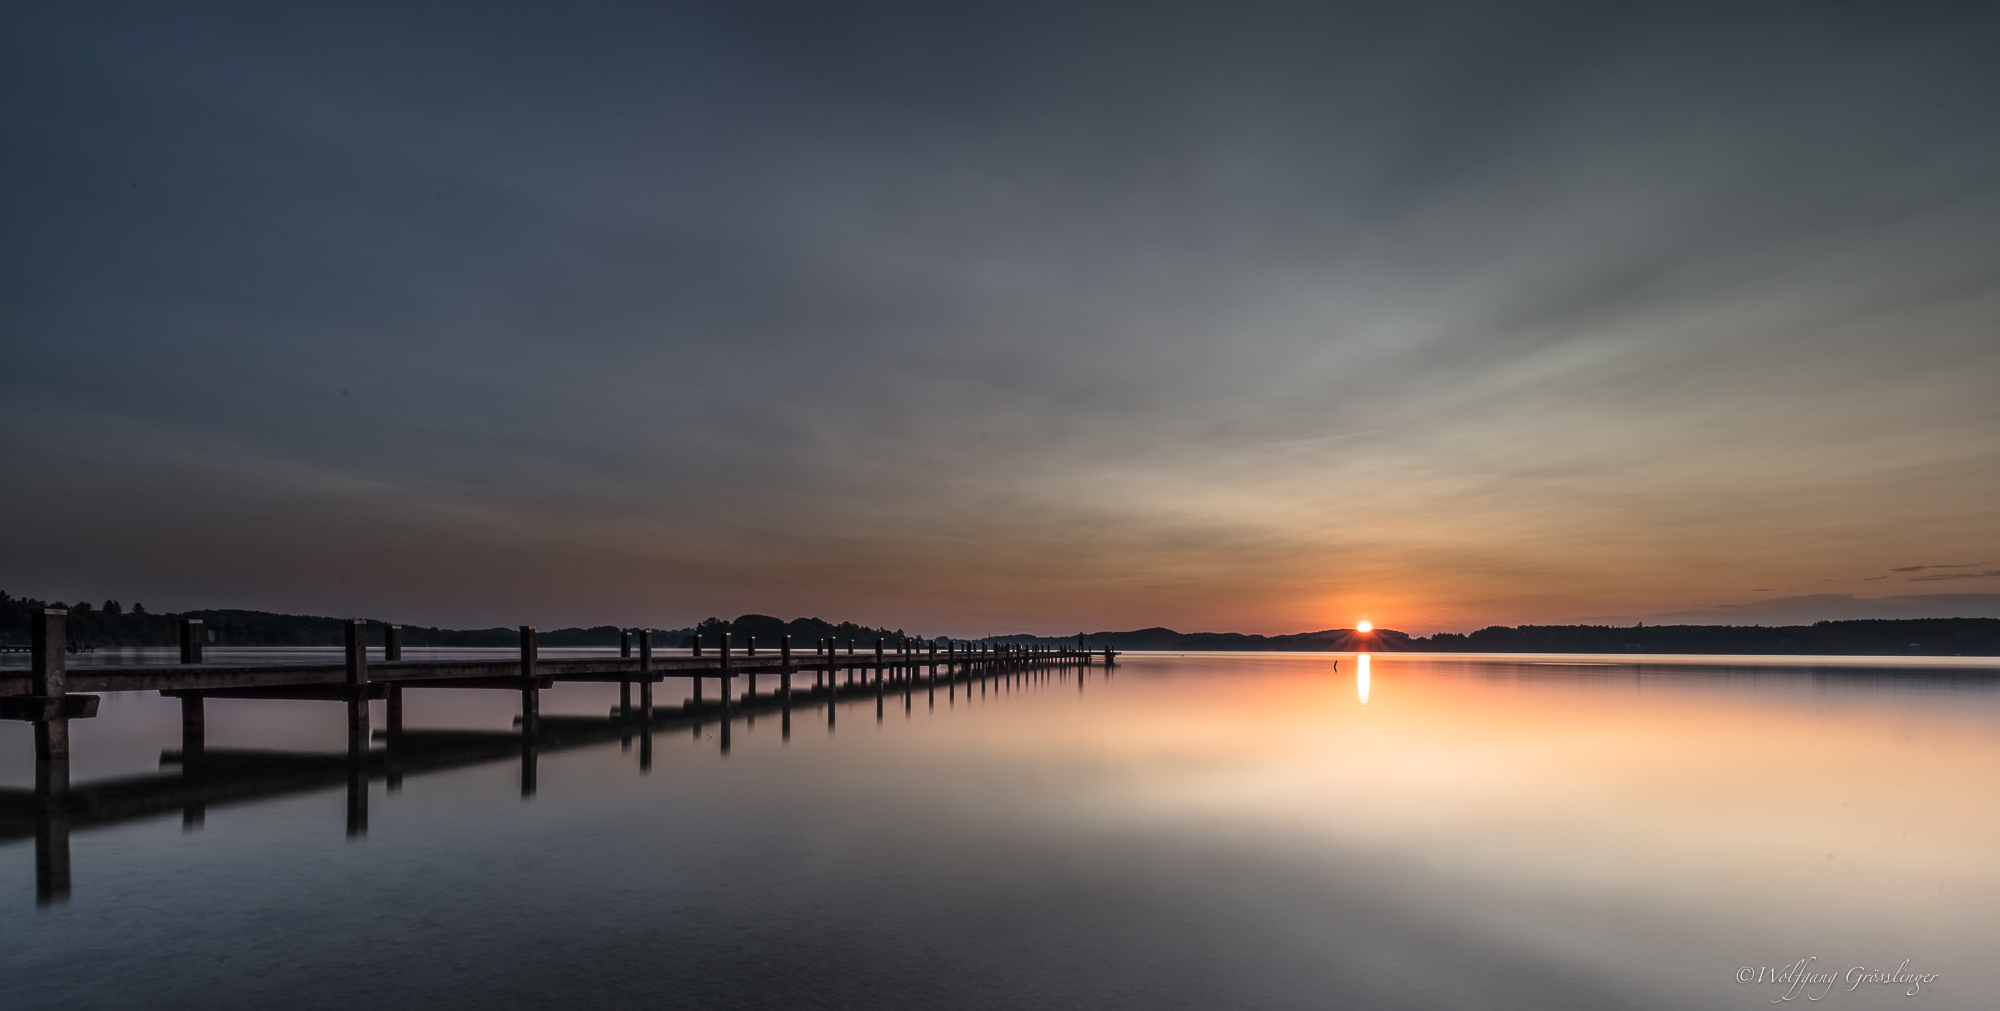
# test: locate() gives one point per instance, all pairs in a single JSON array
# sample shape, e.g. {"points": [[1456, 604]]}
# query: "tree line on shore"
{"points": [[112, 624], [1865, 637]]}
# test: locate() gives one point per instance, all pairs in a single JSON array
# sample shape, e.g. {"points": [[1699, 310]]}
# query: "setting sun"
{"points": [[1365, 626]]}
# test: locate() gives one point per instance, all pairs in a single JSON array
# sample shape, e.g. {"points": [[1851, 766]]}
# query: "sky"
{"points": [[974, 319]]}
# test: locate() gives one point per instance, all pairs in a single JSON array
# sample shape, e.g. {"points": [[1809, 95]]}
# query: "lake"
{"points": [[1183, 831]]}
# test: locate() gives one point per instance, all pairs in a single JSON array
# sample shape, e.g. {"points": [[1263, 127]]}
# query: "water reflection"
{"points": [[1199, 832], [207, 775]]}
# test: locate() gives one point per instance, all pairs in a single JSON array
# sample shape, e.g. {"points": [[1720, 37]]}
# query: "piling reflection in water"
{"points": [[208, 775]]}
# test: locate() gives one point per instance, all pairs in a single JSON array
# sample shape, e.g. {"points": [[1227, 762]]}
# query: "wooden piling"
{"points": [[48, 642], [724, 677], [191, 636], [356, 631], [646, 693], [392, 643], [531, 696]]}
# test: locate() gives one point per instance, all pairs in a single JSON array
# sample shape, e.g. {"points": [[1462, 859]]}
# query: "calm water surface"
{"points": [[1234, 831]]}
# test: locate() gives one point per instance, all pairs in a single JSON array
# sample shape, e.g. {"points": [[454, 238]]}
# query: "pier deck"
{"points": [[50, 695]]}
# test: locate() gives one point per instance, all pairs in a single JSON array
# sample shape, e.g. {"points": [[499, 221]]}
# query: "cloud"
{"points": [[986, 317], [1988, 574], [1920, 568]]}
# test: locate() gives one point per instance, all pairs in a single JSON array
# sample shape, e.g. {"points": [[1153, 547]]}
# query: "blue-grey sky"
{"points": [[1017, 317]]}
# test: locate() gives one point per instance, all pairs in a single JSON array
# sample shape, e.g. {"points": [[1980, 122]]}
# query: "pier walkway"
{"points": [[50, 695]]}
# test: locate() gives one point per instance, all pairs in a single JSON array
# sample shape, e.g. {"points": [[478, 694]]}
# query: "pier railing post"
{"points": [[531, 697], [531, 710], [194, 721], [191, 636], [625, 687], [646, 683], [356, 632], [48, 677], [785, 675], [724, 677], [727, 691]]}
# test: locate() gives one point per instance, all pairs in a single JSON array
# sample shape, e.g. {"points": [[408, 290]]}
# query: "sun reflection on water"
{"points": [[1361, 678]]}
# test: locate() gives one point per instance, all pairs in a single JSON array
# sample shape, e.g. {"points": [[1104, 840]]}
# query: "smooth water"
{"points": [[1199, 831]]}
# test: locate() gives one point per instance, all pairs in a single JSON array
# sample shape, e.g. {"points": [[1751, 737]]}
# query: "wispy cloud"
{"points": [[1920, 568], [640, 313], [1988, 574]]}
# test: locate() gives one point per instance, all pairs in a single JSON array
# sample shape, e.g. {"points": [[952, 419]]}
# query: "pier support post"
{"points": [[392, 643], [531, 710], [191, 636], [357, 684], [531, 697], [394, 750], [625, 687], [47, 641], [646, 688], [728, 690], [194, 739], [356, 633]]}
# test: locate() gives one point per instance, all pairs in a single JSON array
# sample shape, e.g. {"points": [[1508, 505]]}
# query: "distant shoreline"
{"points": [[103, 628]]}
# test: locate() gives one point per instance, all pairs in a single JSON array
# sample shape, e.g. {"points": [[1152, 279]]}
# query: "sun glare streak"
{"points": [[1361, 677]]}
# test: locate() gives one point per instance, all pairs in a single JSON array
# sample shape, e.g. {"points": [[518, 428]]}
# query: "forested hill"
{"points": [[112, 624], [1918, 637]]}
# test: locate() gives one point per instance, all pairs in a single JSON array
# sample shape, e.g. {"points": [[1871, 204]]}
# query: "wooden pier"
{"points": [[50, 695]]}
